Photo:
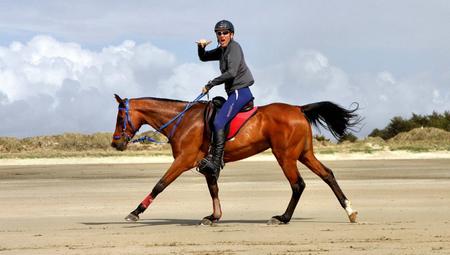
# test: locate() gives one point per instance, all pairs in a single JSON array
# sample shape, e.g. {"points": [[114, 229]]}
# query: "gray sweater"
{"points": [[235, 73]]}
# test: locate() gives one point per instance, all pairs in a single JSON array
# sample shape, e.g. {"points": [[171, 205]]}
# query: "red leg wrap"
{"points": [[147, 201]]}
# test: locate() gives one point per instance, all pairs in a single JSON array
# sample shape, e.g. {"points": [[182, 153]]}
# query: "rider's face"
{"points": [[224, 37]]}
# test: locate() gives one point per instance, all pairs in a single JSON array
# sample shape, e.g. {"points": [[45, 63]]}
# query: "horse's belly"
{"points": [[244, 147]]}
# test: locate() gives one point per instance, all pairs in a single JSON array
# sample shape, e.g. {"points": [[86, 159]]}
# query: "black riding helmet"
{"points": [[224, 25]]}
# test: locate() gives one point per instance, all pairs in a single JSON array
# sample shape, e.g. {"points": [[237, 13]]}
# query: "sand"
{"points": [[75, 208], [380, 155]]}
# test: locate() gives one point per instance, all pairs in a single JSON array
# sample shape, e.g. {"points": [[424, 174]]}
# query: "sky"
{"points": [[62, 61]]}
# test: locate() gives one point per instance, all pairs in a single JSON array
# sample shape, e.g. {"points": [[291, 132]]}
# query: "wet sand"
{"points": [[404, 208]]}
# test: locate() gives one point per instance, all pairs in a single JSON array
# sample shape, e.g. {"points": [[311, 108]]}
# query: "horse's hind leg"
{"points": [[327, 175], [290, 170]]}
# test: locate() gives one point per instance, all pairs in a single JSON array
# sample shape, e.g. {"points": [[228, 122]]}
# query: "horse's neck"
{"points": [[157, 112]]}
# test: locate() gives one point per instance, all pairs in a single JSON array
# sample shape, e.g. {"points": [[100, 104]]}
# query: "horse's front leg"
{"points": [[214, 191], [180, 165]]}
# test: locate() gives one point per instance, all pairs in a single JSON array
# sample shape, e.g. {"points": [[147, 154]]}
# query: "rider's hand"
{"points": [[202, 43], [205, 90]]}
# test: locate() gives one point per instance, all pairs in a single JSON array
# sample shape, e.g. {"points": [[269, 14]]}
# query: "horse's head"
{"points": [[125, 129]]}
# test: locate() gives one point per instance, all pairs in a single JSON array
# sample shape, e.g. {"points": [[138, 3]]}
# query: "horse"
{"points": [[285, 129]]}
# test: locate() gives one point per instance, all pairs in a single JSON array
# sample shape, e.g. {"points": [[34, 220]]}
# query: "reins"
{"points": [[180, 116], [177, 118]]}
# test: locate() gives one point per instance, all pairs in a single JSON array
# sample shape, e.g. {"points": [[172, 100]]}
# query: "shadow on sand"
{"points": [[183, 222]]}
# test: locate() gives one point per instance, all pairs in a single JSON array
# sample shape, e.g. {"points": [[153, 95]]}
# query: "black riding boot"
{"points": [[212, 163]]}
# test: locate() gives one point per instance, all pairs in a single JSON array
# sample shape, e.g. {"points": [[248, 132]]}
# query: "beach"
{"points": [[77, 207]]}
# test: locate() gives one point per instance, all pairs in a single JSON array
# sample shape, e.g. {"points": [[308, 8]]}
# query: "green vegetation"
{"points": [[367, 145], [77, 145], [399, 125], [421, 139], [321, 138], [348, 137]]}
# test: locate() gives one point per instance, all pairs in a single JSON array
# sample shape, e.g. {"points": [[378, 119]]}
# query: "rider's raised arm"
{"points": [[208, 55]]}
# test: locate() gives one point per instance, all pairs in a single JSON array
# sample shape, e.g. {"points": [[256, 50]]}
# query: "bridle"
{"points": [[177, 118], [127, 120]]}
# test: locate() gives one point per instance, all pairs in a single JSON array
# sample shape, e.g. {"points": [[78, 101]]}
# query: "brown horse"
{"points": [[284, 128]]}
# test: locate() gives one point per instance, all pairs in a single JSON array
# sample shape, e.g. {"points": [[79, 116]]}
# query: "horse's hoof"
{"points": [[207, 222], [132, 217], [275, 221], [352, 217], [278, 220]]}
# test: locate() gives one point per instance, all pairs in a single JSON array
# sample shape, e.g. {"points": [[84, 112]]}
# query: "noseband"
{"points": [[127, 120]]}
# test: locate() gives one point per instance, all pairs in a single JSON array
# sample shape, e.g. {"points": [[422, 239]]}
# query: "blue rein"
{"points": [[177, 118], [180, 116]]}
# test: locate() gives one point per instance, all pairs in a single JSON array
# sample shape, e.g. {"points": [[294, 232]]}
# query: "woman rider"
{"points": [[237, 78]]}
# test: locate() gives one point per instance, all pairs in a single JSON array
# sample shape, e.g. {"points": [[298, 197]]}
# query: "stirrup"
{"points": [[202, 166], [207, 166]]}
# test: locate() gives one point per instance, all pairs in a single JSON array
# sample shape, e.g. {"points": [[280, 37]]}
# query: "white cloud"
{"points": [[186, 81], [309, 76], [48, 86], [386, 77]]}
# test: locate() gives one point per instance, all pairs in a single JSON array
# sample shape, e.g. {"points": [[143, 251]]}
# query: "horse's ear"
{"points": [[118, 99]]}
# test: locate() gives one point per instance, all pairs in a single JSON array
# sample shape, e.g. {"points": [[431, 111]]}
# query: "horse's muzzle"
{"points": [[120, 146]]}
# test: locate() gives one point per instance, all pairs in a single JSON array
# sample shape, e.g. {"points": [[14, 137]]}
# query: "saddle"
{"points": [[235, 124]]}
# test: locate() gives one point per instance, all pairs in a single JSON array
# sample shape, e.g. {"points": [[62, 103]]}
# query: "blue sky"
{"points": [[61, 61]]}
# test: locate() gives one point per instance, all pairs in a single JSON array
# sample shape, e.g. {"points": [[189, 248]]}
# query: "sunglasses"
{"points": [[219, 33]]}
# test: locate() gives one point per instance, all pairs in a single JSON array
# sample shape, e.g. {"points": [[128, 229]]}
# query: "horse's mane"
{"points": [[160, 99], [166, 100]]}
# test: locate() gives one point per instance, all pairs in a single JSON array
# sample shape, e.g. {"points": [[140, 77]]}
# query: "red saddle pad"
{"points": [[239, 121]]}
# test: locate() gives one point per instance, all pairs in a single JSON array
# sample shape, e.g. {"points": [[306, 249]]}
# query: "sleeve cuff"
{"points": [[209, 85]]}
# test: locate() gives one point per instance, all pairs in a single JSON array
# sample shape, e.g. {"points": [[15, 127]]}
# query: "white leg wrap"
{"points": [[348, 208]]}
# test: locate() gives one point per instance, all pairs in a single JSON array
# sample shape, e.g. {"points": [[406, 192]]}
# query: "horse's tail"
{"points": [[332, 117]]}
